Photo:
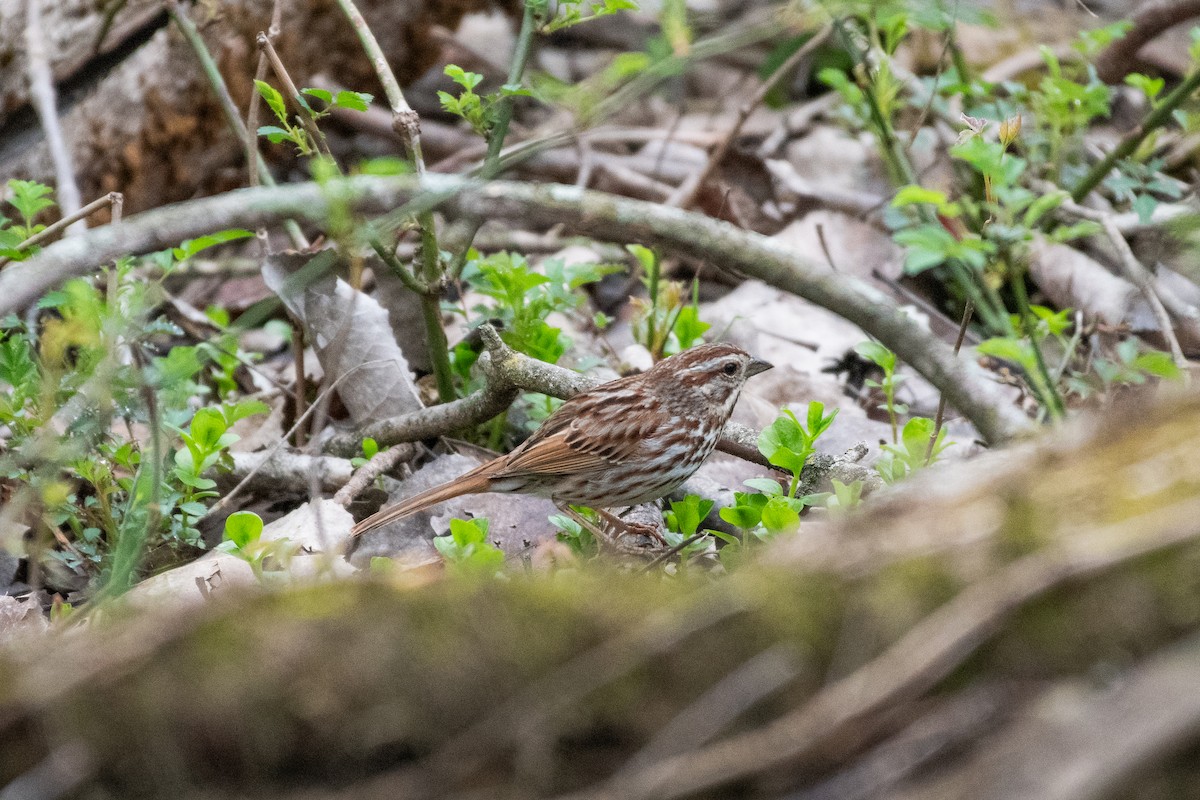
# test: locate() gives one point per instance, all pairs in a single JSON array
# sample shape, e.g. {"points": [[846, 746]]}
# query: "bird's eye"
{"points": [[730, 369]]}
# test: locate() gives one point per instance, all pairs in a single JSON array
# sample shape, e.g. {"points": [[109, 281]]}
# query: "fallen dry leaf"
{"points": [[351, 335]]}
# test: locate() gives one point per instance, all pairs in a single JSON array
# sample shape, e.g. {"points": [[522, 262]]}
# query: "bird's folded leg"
{"points": [[635, 527], [614, 527]]}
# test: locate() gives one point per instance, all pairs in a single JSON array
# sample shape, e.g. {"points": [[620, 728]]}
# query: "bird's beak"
{"points": [[757, 365]]}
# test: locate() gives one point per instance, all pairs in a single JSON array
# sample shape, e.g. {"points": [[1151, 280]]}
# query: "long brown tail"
{"points": [[475, 481]]}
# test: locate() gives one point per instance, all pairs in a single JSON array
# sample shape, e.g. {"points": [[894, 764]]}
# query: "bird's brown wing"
{"points": [[592, 431], [552, 454]]}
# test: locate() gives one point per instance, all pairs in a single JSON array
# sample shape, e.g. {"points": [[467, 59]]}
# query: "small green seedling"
{"points": [[885, 359], [478, 110], [786, 443], [369, 449], [913, 452], [243, 538], [467, 549], [579, 539], [845, 497], [683, 520]]}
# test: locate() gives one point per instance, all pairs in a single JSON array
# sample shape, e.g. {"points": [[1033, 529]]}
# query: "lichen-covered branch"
{"points": [[989, 576]]}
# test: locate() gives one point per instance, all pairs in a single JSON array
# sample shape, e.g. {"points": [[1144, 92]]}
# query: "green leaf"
{"points": [[784, 443], [927, 246], [1007, 348], [385, 166], [466, 532], [244, 408], [1158, 363], [1067, 233], [565, 524], [688, 327], [17, 366], [1042, 205], [877, 354], [324, 95], [355, 101], [275, 135], [1143, 206], [844, 496], [243, 528], [742, 517], [370, 447], [818, 423], [192, 509], [840, 82], [690, 512], [1149, 86], [467, 80], [644, 255], [195, 481], [450, 103], [915, 195], [191, 247], [446, 546], [274, 100], [467, 549], [207, 428], [778, 515], [765, 485], [29, 198]]}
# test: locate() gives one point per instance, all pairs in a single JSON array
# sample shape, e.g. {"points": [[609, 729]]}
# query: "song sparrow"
{"points": [[622, 443]]}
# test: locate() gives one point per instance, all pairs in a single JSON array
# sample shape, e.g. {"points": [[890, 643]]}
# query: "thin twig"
{"points": [[1141, 278], [209, 65], [405, 122], [365, 475], [41, 92], [228, 498], [492, 164], [1137, 274], [192, 34], [505, 105], [685, 195], [695, 537], [825, 247], [941, 409], [250, 136], [112, 199], [306, 121], [300, 385]]}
